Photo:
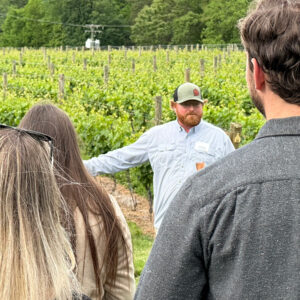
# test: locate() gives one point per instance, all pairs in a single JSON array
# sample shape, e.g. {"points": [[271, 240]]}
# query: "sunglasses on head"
{"points": [[34, 134]]}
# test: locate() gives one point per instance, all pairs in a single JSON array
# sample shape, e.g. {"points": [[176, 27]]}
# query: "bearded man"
{"points": [[174, 149]]}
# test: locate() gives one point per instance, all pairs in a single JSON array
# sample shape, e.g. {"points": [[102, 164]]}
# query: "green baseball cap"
{"points": [[187, 91]]}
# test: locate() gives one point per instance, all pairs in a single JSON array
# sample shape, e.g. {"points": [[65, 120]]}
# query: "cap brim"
{"points": [[190, 98]]}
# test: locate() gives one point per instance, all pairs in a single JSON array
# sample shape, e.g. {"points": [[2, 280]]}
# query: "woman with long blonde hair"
{"points": [[101, 237], [36, 258]]}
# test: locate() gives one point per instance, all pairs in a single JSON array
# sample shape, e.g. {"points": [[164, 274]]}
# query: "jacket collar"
{"points": [[280, 127]]}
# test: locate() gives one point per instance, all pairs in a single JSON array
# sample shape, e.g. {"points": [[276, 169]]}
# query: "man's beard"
{"points": [[189, 119], [256, 100]]}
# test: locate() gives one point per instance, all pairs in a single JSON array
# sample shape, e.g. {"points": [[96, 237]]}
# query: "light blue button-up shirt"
{"points": [[172, 153]]}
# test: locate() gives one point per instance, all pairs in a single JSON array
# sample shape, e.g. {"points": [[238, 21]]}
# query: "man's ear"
{"points": [[173, 105], [258, 75]]}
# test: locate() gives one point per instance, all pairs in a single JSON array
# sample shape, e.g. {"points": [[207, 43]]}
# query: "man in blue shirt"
{"points": [[173, 149]]}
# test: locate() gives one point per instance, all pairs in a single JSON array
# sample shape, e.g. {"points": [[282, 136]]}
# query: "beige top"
{"points": [[124, 288]]}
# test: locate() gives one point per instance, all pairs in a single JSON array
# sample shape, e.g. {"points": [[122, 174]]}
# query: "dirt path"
{"points": [[140, 215]]}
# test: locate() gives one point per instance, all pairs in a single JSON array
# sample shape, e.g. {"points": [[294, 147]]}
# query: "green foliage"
{"points": [[169, 22], [62, 22], [27, 26], [114, 13], [5, 5], [12, 26], [13, 109], [187, 29], [153, 25], [110, 116], [220, 19], [142, 245]]}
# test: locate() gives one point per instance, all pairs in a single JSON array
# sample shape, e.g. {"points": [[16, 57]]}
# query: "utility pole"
{"points": [[93, 29]]}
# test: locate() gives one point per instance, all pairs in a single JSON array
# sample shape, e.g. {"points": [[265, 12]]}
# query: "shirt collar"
{"points": [[193, 130], [280, 127]]}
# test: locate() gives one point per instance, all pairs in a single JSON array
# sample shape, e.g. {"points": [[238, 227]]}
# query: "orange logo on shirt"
{"points": [[200, 165]]}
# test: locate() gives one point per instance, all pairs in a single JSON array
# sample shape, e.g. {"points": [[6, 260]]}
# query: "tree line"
{"points": [[51, 23]]}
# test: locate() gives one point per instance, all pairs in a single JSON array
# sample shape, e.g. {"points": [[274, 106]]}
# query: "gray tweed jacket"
{"points": [[233, 230]]}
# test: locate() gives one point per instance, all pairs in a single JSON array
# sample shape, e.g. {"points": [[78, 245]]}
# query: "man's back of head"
{"points": [[271, 35]]}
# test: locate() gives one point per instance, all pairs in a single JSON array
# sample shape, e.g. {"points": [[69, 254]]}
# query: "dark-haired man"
{"points": [[173, 149], [237, 236]]}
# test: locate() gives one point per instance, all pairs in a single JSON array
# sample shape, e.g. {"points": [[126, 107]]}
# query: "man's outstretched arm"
{"points": [[120, 159]]}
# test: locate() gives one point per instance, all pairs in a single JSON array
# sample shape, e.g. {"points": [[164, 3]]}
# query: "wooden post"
{"points": [[84, 64], [168, 56], [228, 50], [154, 63], [109, 59], [202, 67], [197, 47], [109, 48], [61, 85], [3, 51], [106, 74], [220, 60], [140, 51], [215, 63], [235, 134], [158, 110], [52, 68], [49, 61], [21, 59], [4, 85], [133, 65], [187, 75], [73, 58], [14, 68]]}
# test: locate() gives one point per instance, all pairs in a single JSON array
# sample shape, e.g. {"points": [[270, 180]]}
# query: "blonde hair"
{"points": [[36, 259]]}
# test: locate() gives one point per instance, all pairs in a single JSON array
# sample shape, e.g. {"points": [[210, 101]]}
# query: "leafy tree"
{"points": [[12, 27], [169, 21], [86, 12], [27, 27], [6, 4], [34, 32], [187, 29], [115, 14], [153, 24], [220, 18], [135, 6], [76, 12]]}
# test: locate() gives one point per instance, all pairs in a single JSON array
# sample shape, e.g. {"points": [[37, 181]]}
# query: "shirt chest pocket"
{"points": [[164, 155], [208, 157]]}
